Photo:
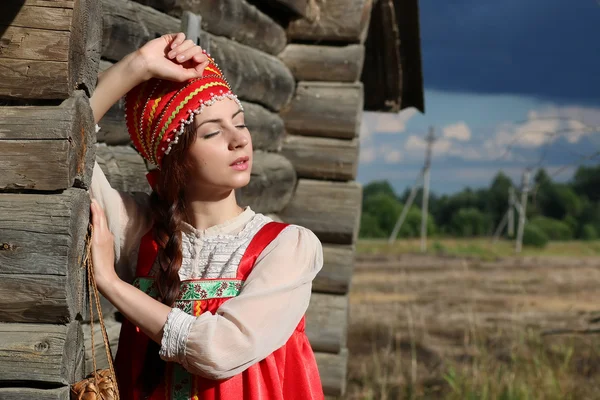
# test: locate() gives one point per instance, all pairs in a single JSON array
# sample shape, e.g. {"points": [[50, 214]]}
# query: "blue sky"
{"points": [[508, 85]]}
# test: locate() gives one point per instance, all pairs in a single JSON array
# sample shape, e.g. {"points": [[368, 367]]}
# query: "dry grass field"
{"points": [[474, 322]]}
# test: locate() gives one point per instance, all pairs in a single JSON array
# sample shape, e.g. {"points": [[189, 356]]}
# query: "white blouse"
{"points": [[246, 328]]}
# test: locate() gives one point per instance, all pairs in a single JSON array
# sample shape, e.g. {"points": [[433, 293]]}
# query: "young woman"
{"points": [[214, 295]]}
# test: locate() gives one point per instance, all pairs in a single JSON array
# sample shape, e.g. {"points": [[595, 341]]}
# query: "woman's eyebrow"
{"points": [[219, 119]]}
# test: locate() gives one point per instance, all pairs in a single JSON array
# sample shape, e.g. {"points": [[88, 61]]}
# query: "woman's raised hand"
{"points": [[172, 57]]}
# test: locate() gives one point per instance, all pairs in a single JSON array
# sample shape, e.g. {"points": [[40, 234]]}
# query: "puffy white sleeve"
{"points": [[249, 327], [128, 217]]}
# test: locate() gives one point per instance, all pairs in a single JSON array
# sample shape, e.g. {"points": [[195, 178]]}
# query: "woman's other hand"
{"points": [[172, 57], [103, 253]]}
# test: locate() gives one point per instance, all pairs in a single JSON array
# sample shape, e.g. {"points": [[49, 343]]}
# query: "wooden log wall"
{"points": [[323, 122], [49, 54], [303, 103]]}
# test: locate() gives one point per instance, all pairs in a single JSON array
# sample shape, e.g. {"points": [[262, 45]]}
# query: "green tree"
{"points": [[378, 187], [470, 222], [586, 182]]}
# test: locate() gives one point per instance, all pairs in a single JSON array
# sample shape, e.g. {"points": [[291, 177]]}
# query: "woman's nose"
{"points": [[239, 139]]}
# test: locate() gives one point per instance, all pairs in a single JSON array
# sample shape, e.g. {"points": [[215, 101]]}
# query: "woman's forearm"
{"points": [[115, 82], [142, 310]]}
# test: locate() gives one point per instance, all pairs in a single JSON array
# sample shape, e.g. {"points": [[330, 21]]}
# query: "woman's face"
{"points": [[221, 155]]}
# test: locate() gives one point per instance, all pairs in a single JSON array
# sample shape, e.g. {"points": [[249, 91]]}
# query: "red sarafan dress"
{"points": [[288, 373]]}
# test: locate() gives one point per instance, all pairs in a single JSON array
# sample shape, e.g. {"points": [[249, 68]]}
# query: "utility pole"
{"points": [[522, 210], [425, 201], [511, 211], [423, 178]]}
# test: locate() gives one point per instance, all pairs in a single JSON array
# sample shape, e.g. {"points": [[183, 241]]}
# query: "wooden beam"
{"points": [[330, 209], [272, 183], [46, 147], [41, 249], [18, 393], [124, 168], [333, 371], [326, 109], [43, 353], [254, 75], [235, 19], [327, 321], [48, 50], [324, 63], [336, 274], [339, 21], [322, 158]]}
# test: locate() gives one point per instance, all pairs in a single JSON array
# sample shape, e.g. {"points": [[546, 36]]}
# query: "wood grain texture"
{"points": [[44, 353], [124, 168], [322, 158], [327, 321], [325, 109], [18, 393], [46, 147], [339, 21], [324, 63], [41, 250], [336, 274], [237, 20], [330, 209], [113, 329], [333, 371], [254, 75], [272, 183], [49, 49]]}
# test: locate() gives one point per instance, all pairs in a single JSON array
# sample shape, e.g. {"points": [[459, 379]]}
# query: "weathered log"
{"points": [[272, 183], [113, 329], [292, 8], [322, 158], [49, 49], [62, 393], [266, 127], [339, 21], [333, 370], [235, 19], [42, 241], [124, 168], [330, 209], [128, 25], [327, 321], [46, 147], [326, 109], [336, 274], [43, 353], [254, 75], [324, 63]]}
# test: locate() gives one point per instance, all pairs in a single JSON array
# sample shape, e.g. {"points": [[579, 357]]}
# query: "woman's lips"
{"points": [[241, 164]]}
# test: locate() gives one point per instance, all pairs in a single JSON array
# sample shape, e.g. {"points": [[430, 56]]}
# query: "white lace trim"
{"points": [[216, 256], [175, 334]]}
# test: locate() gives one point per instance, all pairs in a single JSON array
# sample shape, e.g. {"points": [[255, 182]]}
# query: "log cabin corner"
{"points": [[305, 81]]}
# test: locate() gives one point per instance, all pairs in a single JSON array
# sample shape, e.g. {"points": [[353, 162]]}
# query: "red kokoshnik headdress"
{"points": [[157, 110]]}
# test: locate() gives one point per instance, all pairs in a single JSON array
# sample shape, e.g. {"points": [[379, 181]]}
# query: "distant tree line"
{"points": [[555, 211]]}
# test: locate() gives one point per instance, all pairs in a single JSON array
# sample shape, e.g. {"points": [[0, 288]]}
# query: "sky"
{"points": [[508, 85]]}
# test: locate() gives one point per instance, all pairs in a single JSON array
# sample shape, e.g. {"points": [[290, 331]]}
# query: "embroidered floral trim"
{"points": [[194, 290]]}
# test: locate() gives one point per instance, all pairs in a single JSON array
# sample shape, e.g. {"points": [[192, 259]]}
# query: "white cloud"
{"points": [[392, 156], [459, 131], [367, 155], [385, 122], [546, 126]]}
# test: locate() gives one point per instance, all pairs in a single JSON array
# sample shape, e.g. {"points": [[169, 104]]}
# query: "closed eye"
{"points": [[242, 126], [211, 135]]}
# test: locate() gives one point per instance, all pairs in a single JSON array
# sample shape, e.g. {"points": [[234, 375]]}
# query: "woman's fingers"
{"points": [[176, 54], [98, 217], [179, 38]]}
